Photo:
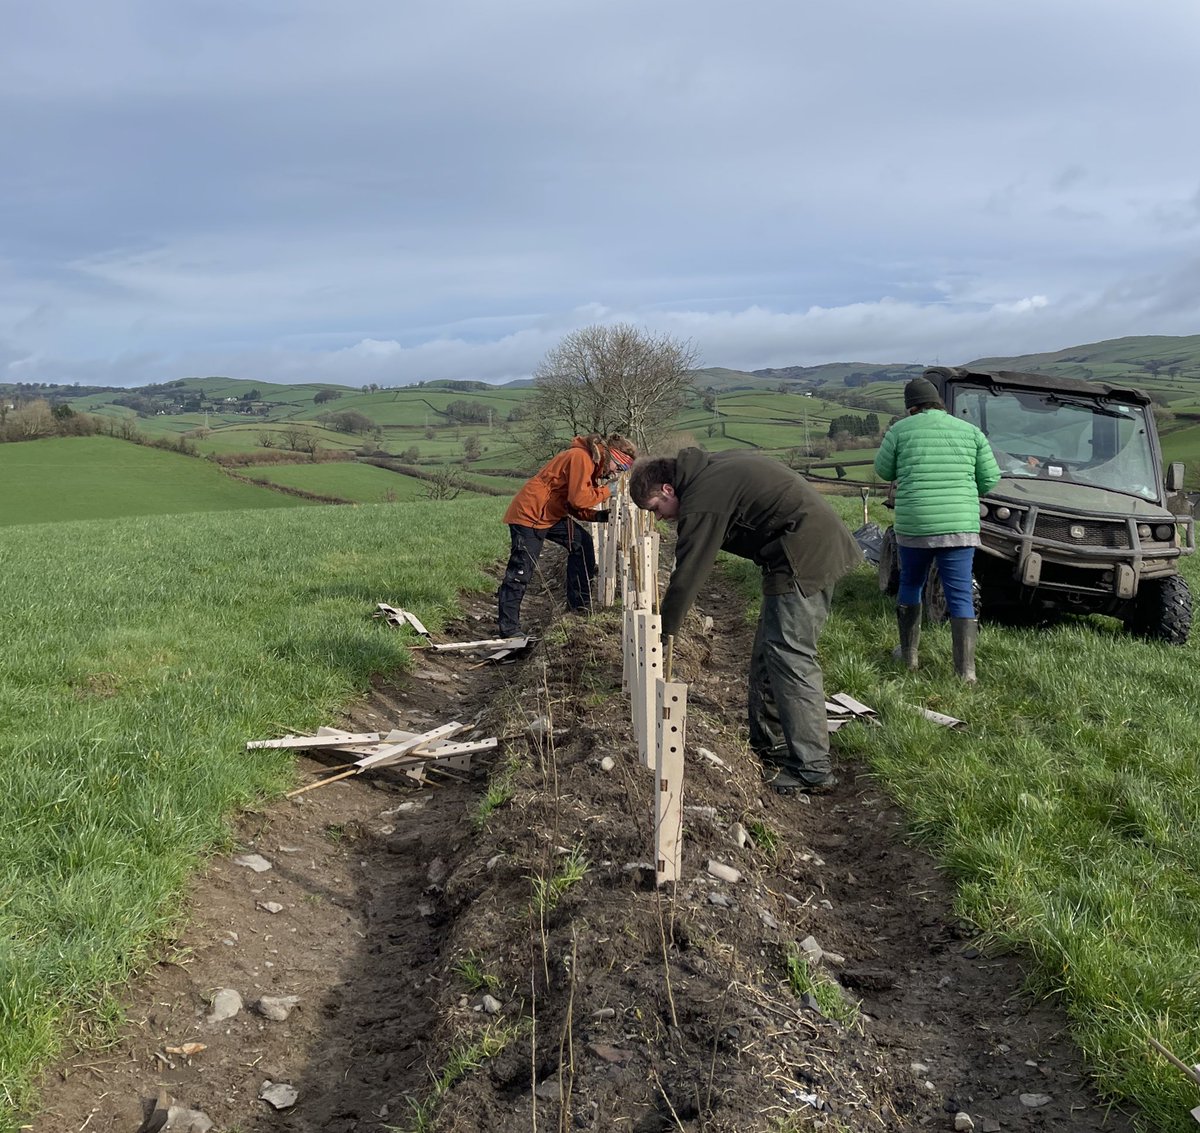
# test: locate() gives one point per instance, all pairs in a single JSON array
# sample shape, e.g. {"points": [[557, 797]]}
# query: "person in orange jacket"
{"points": [[551, 505]]}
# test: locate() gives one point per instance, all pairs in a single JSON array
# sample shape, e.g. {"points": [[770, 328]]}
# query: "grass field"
{"points": [[141, 656], [102, 478], [359, 483], [1067, 812]]}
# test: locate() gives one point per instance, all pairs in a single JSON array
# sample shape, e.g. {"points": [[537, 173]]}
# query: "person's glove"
{"points": [[599, 517]]}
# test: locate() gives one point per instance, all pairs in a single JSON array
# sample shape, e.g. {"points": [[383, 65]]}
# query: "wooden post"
{"points": [[671, 703], [629, 655], [642, 691]]}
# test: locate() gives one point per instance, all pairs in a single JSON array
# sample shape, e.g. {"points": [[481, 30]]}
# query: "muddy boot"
{"points": [[964, 632], [908, 618]]}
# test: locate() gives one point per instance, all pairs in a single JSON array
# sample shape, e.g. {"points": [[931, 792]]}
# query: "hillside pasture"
{"points": [[102, 478], [357, 483], [143, 654], [1066, 812]]}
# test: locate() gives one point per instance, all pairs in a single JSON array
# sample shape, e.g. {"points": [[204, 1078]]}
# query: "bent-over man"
{"points": [[756, 508]]}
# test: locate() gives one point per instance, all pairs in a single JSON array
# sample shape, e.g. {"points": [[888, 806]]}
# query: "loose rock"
{"points": [[180, 1119], [270, 906], [739, 835], [277, 1007], [255, 862], [607, 763], [723, 872], [812, 949], [278, 1094], [1034, 1101], [963, 1123], [491, 1004], [225, 1005]]}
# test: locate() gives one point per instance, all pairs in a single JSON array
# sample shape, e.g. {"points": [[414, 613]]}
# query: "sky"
{"points": [[398, 190]]}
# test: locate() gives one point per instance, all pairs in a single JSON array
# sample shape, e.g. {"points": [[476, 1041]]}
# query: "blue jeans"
{"points": [[954, 566]]}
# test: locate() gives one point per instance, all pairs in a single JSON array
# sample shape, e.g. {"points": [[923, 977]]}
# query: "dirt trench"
{"points": [[616, 1006]]}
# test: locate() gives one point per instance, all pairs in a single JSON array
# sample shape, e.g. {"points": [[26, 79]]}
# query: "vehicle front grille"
{"points": [[1058, 528]]}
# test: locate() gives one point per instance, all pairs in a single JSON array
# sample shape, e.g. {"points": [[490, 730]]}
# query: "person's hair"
{"points": [[599, 446], [621, 444], [648, 476], [921, 406]]}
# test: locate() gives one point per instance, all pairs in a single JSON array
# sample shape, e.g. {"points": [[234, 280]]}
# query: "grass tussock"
{"points": [[142, 654], [1067, 812]]}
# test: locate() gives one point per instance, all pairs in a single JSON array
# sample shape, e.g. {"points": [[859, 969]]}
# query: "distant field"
{"points": [[102, 478], [360, 483], [1184, 444]]}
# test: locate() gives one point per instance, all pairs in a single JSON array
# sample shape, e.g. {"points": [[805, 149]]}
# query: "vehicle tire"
{"points": [[934, 597], [1162, 611], [889, 565]]}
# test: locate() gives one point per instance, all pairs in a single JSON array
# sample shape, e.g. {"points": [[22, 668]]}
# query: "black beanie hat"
{"points": [[920, 391]]}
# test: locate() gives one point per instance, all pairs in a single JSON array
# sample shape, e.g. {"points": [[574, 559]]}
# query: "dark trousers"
{"points": [[786, 698], [527, 543]]}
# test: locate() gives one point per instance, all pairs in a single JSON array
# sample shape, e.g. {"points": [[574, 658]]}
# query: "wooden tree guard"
{"points": [[671, 704], [642, 691], [644, 573], [629, 653]]}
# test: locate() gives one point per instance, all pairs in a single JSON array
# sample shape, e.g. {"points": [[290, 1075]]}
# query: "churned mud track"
{"points": [[610, 1005]]}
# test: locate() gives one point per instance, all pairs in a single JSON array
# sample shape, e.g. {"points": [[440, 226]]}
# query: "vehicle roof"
{"points": [[941, 375]]}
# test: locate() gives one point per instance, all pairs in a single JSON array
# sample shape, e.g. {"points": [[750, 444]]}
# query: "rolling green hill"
{"points": [[474, 427], [66, 478]]}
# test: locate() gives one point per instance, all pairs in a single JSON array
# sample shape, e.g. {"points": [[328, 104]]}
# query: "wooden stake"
{"points": [[671, 704], [321, 783], [1191, 1071], [649, 671]]}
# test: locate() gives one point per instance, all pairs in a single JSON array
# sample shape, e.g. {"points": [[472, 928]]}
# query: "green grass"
{"points": [[502, 785], [472, 970], [361, 483], [569, 871], [831, 1000], [1067, 812], [464, 1059], [101, 478], [140, 655]]}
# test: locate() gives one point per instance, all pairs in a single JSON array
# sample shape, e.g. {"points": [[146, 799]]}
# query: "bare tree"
{"points": [[443, 485], [294, 436], [615, 379]]}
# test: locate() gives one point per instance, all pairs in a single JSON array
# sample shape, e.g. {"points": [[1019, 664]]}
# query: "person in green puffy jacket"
{"points": [[941, 466]]}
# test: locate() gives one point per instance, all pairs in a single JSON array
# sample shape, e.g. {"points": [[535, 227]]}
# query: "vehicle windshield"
{"points": [[1063, 437]]}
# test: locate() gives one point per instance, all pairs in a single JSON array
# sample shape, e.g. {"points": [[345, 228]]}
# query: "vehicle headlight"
{"points": [[1003, 512], [1144, 530], [1164, 531], [983, 510]]}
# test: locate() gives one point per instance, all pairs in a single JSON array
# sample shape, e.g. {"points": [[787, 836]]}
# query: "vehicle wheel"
{"points": [[934, 597], [889, 565], [1162, 611]]}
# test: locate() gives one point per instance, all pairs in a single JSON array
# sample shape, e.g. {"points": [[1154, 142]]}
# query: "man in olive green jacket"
{"points": [[756, 508]]}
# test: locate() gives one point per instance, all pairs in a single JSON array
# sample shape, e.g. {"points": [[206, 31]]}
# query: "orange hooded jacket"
{"points": [[565, 485]]}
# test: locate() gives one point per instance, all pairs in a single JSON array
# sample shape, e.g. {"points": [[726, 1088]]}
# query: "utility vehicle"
{"points": [[1081, 520]]}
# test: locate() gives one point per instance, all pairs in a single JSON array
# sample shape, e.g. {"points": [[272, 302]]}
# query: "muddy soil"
{"points": [[517, 970]]}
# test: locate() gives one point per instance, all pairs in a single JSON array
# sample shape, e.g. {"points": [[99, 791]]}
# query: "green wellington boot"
{"points": [[964, 633], [908, 618]]}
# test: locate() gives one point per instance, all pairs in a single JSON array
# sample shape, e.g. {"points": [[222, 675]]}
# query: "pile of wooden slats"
{"points": [[415, 754]]}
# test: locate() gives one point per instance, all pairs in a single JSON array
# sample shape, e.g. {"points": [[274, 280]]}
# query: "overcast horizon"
{"points": [[373, 192]]}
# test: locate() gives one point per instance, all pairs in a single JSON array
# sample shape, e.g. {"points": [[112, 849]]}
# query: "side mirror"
{"points": [[1175, 476]]}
